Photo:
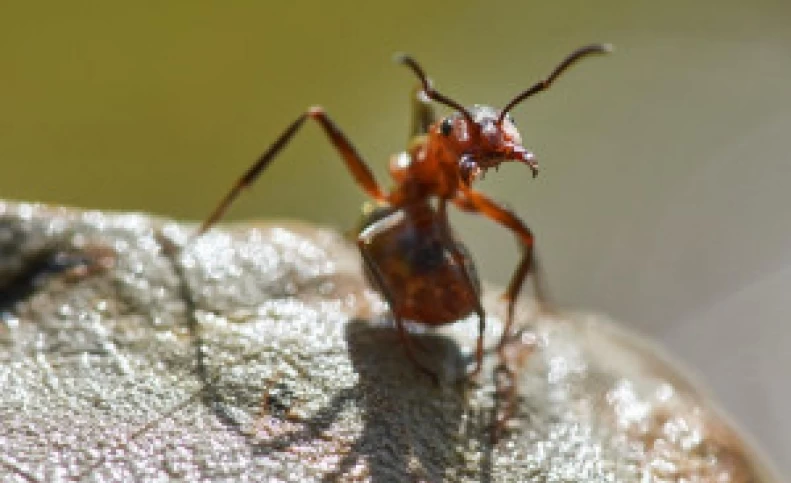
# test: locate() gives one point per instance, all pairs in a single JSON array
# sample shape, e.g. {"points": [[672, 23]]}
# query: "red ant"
{"points": [[410, 254]]}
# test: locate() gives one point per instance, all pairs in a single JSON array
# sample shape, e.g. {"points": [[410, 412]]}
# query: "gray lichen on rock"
{"points": [[258, 354]]}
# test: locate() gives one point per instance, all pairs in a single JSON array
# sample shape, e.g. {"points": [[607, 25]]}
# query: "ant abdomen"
{"points": [[411, 256]]}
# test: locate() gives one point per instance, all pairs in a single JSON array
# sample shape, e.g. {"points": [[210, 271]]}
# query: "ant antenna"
{"points": [[430, 92], [544, 84]]}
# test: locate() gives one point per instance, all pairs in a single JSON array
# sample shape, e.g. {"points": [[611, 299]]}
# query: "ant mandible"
{"points": [[410, 254]]}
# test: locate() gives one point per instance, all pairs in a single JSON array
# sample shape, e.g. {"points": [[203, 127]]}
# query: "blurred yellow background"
{"points": [[663, 193]]}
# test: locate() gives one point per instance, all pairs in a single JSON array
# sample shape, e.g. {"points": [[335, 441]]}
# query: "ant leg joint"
{"points": [[315, 111]]}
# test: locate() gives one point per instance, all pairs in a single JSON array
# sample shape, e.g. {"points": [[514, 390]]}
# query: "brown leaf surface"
{"points": [[258, 354]]}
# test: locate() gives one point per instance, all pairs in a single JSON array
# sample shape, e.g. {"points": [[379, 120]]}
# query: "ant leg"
{"points": [[505, 390], [458, 258], [363, 240], [423, 115], [473, 201], [354, 162], [505, 376]]}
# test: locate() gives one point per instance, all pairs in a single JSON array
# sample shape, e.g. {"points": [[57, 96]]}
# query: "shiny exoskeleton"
{"points": [[409, 259], [410, 254]]}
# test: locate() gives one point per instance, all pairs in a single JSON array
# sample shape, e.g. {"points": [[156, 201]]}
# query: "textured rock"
{"points": [[258, 354]]}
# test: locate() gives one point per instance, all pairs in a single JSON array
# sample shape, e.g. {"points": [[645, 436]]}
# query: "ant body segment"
{"points": [[410, 254]]}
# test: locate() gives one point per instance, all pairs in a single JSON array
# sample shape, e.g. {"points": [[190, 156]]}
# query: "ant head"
{"points": [[481, 138]]}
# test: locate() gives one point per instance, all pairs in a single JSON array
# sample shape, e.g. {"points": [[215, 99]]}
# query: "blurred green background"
{"points": [[663, 195]]}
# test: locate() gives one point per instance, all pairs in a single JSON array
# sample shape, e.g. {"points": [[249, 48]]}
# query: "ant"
{"points": [[409, 252]]}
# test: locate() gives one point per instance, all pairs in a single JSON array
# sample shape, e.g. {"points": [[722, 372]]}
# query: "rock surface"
{"points": [[258, 354]]}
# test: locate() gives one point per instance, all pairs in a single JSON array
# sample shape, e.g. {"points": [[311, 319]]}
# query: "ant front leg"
{"points": [[354, 162], [475, 202], [505, 377]]}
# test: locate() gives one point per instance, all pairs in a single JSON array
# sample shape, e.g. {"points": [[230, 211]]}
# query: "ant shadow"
{"points": [[412, 428]]}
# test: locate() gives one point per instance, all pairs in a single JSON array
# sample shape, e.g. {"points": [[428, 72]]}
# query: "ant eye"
{"points": [[446, 127]]}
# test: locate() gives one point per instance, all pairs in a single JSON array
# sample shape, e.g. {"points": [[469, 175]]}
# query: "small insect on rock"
{"points": [[410, 254]]}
